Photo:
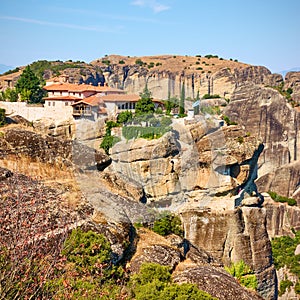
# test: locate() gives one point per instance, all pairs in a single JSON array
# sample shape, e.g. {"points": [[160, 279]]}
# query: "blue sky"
{"points": [[259, 32]]}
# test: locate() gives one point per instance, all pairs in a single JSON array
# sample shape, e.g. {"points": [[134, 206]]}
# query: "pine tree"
{"points": [[182, 98], [28, 86], [145, 104]]}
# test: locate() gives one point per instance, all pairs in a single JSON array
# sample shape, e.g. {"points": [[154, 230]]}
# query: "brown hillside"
{"points": [[173, 63]]}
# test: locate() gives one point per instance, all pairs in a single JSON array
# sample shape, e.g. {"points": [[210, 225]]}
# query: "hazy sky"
{"points": [[259, 32]]}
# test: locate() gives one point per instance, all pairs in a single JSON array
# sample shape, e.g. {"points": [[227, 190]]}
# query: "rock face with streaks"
{"points": [[188, 264], [197, 157], [234, 235], [267, 115], [48, 149], [292, 80]]}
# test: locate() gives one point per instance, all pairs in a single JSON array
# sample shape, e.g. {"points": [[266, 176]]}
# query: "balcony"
{"points": [[82, 112]]}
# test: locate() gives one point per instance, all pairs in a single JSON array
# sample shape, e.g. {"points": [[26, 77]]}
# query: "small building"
{"points": [[90, 107]]}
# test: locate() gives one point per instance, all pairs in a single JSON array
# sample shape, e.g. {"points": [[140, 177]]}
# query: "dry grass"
{"points": [[55, 176], [176, 63]]}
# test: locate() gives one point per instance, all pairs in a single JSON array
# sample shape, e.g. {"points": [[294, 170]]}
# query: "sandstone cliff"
{"points": [[166, 74], [197, 160], [267, 115]]}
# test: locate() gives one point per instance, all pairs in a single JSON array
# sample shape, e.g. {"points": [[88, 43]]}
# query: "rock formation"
{"points": [[266, 114], [193, 160], [292, 80]]}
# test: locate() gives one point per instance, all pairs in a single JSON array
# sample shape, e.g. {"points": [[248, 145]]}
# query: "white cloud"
{"points": [[65, 25], [153, 4]]}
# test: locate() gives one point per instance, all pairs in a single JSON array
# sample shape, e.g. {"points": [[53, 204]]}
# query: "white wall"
{"points": [[33, 113]]}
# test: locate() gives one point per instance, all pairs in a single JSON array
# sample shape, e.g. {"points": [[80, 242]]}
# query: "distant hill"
{"points": [[4, 68], [283, 73]]}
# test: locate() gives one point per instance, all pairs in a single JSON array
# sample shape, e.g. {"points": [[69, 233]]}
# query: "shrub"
{"points": [[209, 96], [124, 116], [284, 285], [282, 199], [243, 274], [139, 62], [199, 68], [228, 121], [159, 111], [240, 140], [297, 287], [211, 56], [211, 110], [86, 250], [154, 282], [283, 249], [167, 224], [2, 117], [121, 62], [108, 142]]}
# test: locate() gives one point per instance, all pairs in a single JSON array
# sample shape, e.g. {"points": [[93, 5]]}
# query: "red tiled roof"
{"points": [[118, 97], [80, 88], [62, 98], [125, 97], [92, 100]]}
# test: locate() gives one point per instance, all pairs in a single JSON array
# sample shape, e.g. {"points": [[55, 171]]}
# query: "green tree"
{"points": [[182, 98], [28, 86], [145, 104], [9, 95], [243, 274], [124, 117], [2, 117], [167, 224], [154, 282]]}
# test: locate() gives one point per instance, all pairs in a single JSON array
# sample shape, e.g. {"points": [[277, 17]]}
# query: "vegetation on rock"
{"points": [[2, 117], [283, 249], [168, 223], [282, 199], [154, 282], [243, 274]]}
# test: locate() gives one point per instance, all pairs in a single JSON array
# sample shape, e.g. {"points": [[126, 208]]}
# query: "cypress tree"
{"points": [[182, 98]]}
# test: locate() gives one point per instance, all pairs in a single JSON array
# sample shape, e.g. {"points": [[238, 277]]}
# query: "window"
{"points": [[66, 103], [49, 103], [53, 103]]}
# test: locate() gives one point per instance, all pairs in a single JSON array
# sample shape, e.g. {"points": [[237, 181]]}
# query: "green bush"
{"points": [[284, 285], [124, 116], [209, 96], [297, 287], [211, 110], [133, 132], [228, 121], [154, 282], [243, 274], [282, 199], [139, 62], [2, 117], [283, 249], [167, 224], [108, 142]]}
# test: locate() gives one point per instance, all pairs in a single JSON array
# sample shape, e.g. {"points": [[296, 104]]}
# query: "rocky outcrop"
{"points": [[292, 80], [284, 181], [234, 235], [216, 282], [47, 149], [188, 264], [281, 218], [267, 115], [167, 80], [199, 157]]}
